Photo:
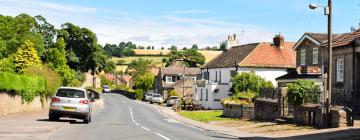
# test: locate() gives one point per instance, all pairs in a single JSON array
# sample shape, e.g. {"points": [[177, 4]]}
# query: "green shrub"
{"points": [[7, 64], [52, 79], [173, 93], [303, 91], [239, 98], [24, 85], [67, 74], [249, 81], [105, 81], [139, 94]]}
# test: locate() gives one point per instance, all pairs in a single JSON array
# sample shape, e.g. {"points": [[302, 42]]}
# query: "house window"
{"points": [[219, 76], [216, 76], [207, 95], [201, 94], [315, 57], [339, 70], [206, 75], [302, 56], [169, 79]]}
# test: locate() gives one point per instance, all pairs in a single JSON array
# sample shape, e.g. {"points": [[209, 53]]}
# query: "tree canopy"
{"points": [[191, 57]]}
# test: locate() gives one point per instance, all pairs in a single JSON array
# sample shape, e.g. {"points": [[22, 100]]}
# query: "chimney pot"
{"points": [[278, 40]]}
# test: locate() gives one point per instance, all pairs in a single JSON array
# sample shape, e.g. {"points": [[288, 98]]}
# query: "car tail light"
{"points": [[84, 101], [54, 99]]}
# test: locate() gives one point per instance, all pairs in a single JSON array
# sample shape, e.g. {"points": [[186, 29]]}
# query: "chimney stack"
{"points": [[278, 40]]}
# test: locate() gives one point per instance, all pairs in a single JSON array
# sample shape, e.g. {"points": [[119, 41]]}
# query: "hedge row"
{"points": [[26, 86]]}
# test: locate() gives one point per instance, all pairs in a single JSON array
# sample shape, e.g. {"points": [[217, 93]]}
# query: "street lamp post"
{"points": [[328, 12]]}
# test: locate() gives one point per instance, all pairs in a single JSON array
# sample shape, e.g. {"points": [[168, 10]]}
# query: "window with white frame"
{"points": [[169, 79], [303, 57], [315, 57], [339, 70]]}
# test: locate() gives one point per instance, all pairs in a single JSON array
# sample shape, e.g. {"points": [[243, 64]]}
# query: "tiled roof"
{"points": [[349, 38], [322, 37], [256, 55], [268, 55], [179, 70], [231, 57]]}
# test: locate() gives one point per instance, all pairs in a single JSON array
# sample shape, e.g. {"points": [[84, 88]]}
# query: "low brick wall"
{"points": [[10, 103], [267, 109], [239, 111], [309, 114]]}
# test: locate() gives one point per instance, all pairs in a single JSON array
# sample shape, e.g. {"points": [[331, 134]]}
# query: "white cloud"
{"points": [[192, 12], [114, 26]]}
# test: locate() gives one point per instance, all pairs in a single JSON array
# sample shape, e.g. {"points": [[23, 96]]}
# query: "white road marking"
{"points": [[161, 136], [137, 124], [170, 120], [145, 128]]}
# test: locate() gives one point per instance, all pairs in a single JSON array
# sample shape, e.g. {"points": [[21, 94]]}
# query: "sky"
{"points": [[162, 23]]}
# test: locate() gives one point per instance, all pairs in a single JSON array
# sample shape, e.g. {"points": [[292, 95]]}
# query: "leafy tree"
{"points": [[195, 47], [152, 47], [141, 47], [184, 48], [162, 48], [26, 56], [173, 48], [223, 46], [249, 82], [57, 55], [144, 82], [174, 93], [191, 57], [140, 66], [46, 29], [303, 91], [148, 48]]}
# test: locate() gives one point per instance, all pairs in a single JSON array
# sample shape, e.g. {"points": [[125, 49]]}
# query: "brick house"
{"points": [[267, 59]]}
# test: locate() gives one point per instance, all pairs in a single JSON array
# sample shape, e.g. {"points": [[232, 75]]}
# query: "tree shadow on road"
{"points": [[70, 121]]}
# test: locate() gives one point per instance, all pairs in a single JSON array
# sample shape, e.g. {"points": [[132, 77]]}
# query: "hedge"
{"points": [[26, 86]]}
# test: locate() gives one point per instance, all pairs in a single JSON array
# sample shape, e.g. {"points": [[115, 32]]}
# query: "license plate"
{"points": [[69, 108]]}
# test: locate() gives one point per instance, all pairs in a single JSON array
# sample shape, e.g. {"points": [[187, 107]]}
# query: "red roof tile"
{"points": [[349, 38], [268, 55]]}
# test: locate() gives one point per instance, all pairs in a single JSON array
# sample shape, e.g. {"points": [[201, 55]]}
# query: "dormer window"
{"points": [[315, 56], [303, 57], [169, 79]]}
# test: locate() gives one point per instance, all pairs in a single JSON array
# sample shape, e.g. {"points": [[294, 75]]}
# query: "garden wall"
{"points": [[267, 109], [10, 103], [239, 111]]}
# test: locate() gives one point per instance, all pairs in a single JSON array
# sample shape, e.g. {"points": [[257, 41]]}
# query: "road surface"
{"points": [[124, 119]]}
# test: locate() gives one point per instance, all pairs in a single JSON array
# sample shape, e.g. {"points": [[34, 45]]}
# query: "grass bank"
{"points": [[204, 116]]}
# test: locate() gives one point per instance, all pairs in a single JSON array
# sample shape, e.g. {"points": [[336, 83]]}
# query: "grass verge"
{"points": [[204, 116]]}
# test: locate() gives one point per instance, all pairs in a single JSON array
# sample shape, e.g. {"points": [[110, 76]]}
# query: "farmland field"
{"points": [[155, 59]]}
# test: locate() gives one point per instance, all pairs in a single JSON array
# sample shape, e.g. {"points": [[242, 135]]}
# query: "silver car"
{"points": [[156, 98], [171, 100], [71, 102]]}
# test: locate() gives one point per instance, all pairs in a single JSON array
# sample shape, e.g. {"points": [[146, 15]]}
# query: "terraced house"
{"points": [[267, 59]]}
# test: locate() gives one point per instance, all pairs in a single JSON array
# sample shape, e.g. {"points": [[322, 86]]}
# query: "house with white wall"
{"points": [[267, 59]]}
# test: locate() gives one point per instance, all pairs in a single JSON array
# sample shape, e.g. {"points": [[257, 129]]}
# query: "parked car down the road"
{"points": [[148, 96], [171, 100], [156, 98], [106, 89], [71, 102]]}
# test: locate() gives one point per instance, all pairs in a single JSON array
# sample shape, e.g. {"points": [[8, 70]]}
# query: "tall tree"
{"points": [[26, 56], [173, 48], [223, 46], [195, 47]]}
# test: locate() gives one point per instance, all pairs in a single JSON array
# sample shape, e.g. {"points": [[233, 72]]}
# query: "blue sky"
{"points": [[186, 22]]}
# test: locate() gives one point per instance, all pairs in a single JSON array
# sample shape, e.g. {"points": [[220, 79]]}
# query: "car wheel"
{"points": [[87, 119], [53, 118]]}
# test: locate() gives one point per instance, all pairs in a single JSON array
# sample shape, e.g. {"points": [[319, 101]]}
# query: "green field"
{"points": [[204, 116]]}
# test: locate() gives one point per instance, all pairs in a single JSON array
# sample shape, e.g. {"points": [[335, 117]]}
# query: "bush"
{"points": [[24, 85], [173, 93], [7, 64], [303, 91], [249, 82], [105, 81], [53, 80], [239, 98], [139, 94], [67, 74]]}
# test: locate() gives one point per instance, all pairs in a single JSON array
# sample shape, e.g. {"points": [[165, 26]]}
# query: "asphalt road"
{"points": [[124, 119]]}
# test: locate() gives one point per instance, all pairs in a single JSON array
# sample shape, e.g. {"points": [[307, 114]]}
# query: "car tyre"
{"points": [[87, 119], [151, 102], [53, 118]]}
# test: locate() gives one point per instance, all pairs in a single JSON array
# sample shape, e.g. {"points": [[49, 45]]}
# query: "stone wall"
{"points": [[10, 103], [339, 117], [267, 109], [239, 111]]}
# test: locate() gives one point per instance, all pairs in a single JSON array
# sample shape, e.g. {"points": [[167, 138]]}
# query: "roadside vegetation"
{"points": [[36, 58]]}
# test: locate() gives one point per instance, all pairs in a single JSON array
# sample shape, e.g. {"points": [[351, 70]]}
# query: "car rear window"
{"points": [[70, 93], [156, 95], [173, 97]]}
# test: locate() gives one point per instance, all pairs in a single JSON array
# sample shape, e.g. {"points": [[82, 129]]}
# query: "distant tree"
{"points": [[162, 48], [191, 57], [195, 47], [223, 46], [173, 48], [140, 66], [152, 47], [144, 82], [214, 48], [141, 47], [184, 48], [148, 48]]}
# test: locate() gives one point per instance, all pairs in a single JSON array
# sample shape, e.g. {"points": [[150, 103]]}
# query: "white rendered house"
{"points": [[268, 60]]}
